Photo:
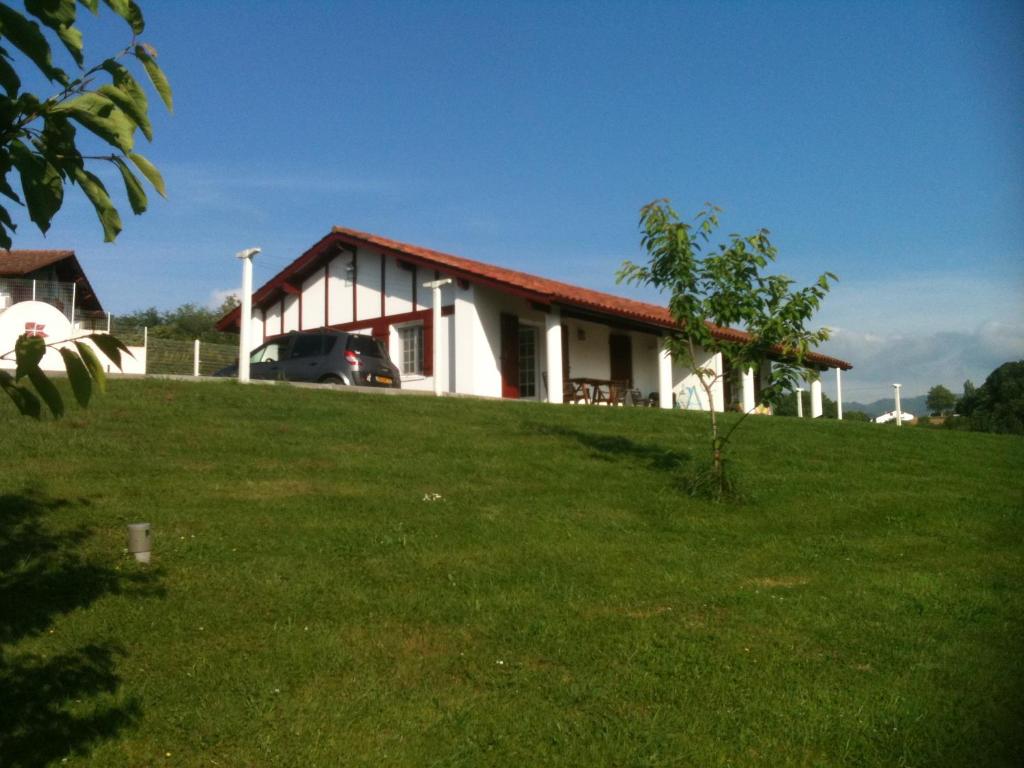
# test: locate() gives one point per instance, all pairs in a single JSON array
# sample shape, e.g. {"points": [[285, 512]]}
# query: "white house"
{"points": [[885, 418], [47, 294], [502, 333]]}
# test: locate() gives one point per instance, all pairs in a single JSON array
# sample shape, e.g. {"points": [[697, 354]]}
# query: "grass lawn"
{"points": [[562, 603]]}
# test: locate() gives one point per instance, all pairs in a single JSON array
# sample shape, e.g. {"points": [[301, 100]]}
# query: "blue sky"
{"points": [[880, 141]]}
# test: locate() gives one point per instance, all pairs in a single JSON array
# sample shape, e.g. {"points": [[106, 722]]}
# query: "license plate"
{"points": [[384, 379]]}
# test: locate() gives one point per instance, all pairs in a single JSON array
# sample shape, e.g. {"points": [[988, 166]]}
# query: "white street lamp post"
{"points": [[244, 321], [799, 402], [435, 303], [899, 412]]}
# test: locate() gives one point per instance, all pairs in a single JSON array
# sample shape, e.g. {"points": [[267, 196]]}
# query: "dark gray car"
{"points": [[324, 357]]}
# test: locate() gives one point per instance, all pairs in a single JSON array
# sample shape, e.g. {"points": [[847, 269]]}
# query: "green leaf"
{"points": [[127, 104], [156, 76], [101, 116], [78, 375], [92, 5], [47, 391], [93, 364], [28, 351], [149, 171], [72, 39], [128, 95], [105, 210], [26, 36], [111, 346], [41, 183], [8, 76], [53, 13], [136, 194], [128, 11], [26, 403]]}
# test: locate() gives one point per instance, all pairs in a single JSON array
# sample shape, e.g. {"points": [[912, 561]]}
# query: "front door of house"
{"points": [[620, 350], [509, 356]]}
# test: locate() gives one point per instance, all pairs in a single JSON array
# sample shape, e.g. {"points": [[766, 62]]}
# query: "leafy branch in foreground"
{"points": [[725, 286], [38, 136], [83, 367]]}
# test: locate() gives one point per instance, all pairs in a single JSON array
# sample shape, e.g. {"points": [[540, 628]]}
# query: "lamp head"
{"points": [[248, 253]]}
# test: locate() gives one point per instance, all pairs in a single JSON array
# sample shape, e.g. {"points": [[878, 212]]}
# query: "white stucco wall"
{"points": [[313, 300], [398, 287], [291, 313], [367, 285], [273, 322], [256, 328], [688, 390], [340, 290]]}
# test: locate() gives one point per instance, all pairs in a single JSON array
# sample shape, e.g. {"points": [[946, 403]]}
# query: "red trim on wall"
{"points": [[428, 345], [355, 284], [280, 307], [414, 287], [291, 289]]}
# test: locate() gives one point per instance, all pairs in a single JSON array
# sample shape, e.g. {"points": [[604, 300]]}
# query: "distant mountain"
{"points": [[915, 405]]}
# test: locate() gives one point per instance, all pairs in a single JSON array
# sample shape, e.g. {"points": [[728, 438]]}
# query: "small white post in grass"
{"points": [[195, 357], [140, 541], [839, 395], [899, 412], [799, 402], [245, 318], [435, 304]]}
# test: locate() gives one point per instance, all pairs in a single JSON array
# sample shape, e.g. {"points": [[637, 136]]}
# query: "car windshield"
{"points": [[270, 352]]}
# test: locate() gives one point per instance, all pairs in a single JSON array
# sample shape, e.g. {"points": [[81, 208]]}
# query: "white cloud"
{"points": [[220, 295], [919, 361]]}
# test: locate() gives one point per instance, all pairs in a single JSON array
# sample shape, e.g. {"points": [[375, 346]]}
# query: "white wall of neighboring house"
{"points": [[18, 318]]}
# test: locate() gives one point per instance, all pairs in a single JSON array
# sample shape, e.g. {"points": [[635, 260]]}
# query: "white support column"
{"points": [[899, 410], [435, 304], [245, 313], [816, 399], [839, 394], [799, 402], [553, 353], [664, 378], [195, 357], [749, 401]]}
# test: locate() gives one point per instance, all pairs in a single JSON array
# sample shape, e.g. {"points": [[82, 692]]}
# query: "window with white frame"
{"points": [[410, 343]]}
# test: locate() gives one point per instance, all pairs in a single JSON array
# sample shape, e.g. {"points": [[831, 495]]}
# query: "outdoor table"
{"points": [[591, 388]]}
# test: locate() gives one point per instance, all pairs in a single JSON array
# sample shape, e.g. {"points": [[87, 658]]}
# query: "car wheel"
{"points": [[334, 380]]}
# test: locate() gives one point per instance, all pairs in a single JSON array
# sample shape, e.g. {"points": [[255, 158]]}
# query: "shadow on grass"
{"points": [[55, 705], [615, 447], [690, 477]]}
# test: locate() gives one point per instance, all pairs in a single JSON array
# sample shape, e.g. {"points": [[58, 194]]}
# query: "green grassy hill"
{"points": [[560, 602]]}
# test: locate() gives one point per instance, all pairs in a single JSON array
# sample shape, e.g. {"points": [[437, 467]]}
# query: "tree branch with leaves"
{"points": [[39, 148], [714, 286], [39, 136]]}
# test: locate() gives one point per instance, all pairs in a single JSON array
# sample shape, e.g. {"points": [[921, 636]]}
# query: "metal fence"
{"points": [[174, 356], [16, 289]]}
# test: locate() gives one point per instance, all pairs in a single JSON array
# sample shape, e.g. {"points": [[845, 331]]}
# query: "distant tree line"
{"points": [[187, 322], [995, 406]]}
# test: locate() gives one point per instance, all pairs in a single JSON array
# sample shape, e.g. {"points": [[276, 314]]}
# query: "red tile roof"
{"points": [[532, 287], [18, 263], [21, 263]]}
